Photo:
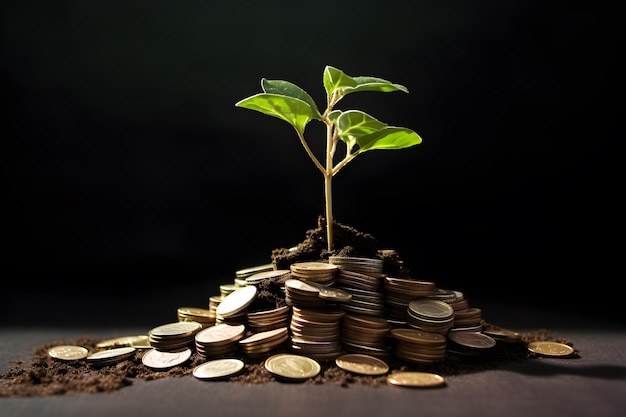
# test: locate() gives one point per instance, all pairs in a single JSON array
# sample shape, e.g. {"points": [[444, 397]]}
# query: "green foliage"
{"points": [[359, 131]]}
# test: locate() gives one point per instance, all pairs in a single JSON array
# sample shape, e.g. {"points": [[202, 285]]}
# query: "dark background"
{"points": [[132, 182]]}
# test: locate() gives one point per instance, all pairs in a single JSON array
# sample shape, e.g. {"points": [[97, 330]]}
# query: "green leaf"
{"points": [[286, 88], [390, 137], [292, 110], [374, 84], [335, 79], [334, 115], [355, 123]]}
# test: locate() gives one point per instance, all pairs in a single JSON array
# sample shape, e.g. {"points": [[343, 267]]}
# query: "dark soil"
{"points": [[46, 376]]}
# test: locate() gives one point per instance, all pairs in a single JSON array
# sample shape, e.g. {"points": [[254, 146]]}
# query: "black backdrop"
{"points": [[128, 167]]}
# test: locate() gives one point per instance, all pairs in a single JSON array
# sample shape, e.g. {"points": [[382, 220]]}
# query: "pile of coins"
{"points": [[345, 310]]}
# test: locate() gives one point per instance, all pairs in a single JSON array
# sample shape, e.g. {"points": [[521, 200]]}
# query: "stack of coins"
{"points": [[316, 332], [365, 302], [460, 302], [367, 335], [214, 301], [219, 340], [226, 289], [469, 344], [320, 272], [264, 342], [419, 347], [443, 294], [354, 279], [204, 316], [399, 292], [469, 319], [430, 315], [174, 336], [260, 321], [302, 294], [233, 307], [358, 264]]}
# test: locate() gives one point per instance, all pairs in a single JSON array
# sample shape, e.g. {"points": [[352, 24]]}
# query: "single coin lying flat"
{"points": [[218, 368], [415, 379], [68, 352], [362, 364], [292, 367], [554, 349]]}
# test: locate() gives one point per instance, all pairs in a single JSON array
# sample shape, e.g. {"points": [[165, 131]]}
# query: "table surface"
{"points": [[593, 384]]}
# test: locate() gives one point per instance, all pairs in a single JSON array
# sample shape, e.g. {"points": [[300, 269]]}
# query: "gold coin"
{"points": [[68, 352], [218, 368], [415, 379], [140, 341], [292, 367], [237, 301], [546, 348], [362, 364], [111, 356]]}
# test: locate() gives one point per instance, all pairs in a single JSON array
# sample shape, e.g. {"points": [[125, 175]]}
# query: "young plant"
{"points": [[359, 131]]}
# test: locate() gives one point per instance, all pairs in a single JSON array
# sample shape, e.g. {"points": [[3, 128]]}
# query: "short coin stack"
{"points": [[204, 316], [174, 336], [320, 272], [464, 344], [364, 334], [263, 342], [399, 292], [430, 315], [418, 346], [219, 340], [303, 294], [316, 332], [264, 320]]}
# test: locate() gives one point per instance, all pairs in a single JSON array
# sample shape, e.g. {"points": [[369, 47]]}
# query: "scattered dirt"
{"points": [[45, 376]]}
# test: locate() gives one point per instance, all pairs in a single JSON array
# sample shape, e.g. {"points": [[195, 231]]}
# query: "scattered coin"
{"points": [[237, 301], [554, 349], [157, 359], [218, 368], [139, 342], [415, 379], [503, 335], [362, 364], [292, 367], [111, 356], [68, 352]]}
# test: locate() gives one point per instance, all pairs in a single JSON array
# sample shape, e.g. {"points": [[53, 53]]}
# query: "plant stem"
{"points": [[328, 176]]}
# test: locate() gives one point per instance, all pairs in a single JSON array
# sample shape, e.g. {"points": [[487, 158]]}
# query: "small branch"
{"points": [[343, 163], [310, 153]]}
